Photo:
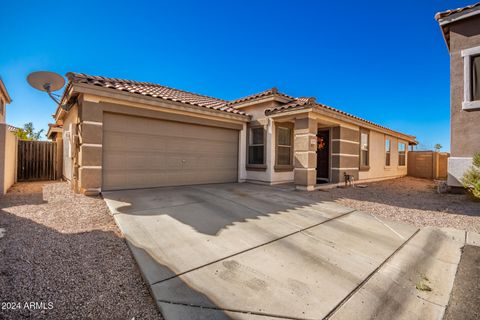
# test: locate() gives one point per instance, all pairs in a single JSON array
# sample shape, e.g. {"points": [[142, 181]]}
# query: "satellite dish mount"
{"points": [[48, 82]]}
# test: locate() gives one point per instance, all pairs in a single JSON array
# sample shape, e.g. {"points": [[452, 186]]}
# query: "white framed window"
{"points": [[364, 150], [471, 79], [284, 146], [402, 154], [256, 146]]}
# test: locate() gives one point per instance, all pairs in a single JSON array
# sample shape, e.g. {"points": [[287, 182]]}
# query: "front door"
{"points": [[323, 151]]}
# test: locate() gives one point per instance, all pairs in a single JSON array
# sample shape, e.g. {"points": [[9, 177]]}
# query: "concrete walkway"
{"points": [[246, 251]]}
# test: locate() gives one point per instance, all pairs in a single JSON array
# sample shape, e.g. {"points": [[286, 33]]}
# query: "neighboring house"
{"points": [[121, 134], [54, 133], [8, 144], [461, 31]]}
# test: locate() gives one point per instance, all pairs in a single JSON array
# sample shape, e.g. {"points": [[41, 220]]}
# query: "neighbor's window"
{"points": [[364, 149], [475, 76], [284, 146], [387, 152], [401, 154], [471, 79], [256, 146]]}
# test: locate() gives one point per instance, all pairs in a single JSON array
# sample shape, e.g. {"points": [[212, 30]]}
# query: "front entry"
{"points": [[323, 152]]}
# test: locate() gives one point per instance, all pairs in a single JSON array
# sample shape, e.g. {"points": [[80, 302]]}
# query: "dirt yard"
{"points": [[410, 200], [64, 252]]}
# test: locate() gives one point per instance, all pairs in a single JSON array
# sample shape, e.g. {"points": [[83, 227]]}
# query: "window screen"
{"points": [[364, 149], [387, 152], [284, 146], [256, 146], [401, 154]]}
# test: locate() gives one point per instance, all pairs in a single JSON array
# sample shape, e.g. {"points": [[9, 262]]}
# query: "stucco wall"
{"points": [[465, 130], [269, 175], [2, 112], [89, 116], [378, 170], [68, 122], [8, 158]]}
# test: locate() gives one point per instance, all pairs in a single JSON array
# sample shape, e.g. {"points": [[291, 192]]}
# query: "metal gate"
{"points": [[36, 160]]}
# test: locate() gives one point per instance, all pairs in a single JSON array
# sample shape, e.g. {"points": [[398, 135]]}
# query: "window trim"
{"points": [[389, 139], [283, 167], [398, 151], [256, 167], [360, 166], [467, 103]]}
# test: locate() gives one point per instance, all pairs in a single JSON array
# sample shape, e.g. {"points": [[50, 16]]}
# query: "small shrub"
{"points": [[471, 178]]}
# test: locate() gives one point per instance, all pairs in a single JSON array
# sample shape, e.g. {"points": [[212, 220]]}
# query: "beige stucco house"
{"points": [[8, 144], [121, 134], [461, 31]]}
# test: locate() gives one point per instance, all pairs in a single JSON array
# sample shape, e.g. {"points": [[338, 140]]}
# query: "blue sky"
{"points": [[381, 60]]}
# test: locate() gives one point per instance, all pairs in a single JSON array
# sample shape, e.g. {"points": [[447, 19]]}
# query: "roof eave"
{"points": [[362, 123], [444, 22], [5, 92], [52, 130], [82, 88], [458, 16], [248, 103]]}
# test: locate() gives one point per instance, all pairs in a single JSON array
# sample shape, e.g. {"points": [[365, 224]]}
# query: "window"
{"points": [[471, 81], [284, 146], [364, 150], [2, 106], [475, 78], [256, 146], [401, 154], [387, 152]]}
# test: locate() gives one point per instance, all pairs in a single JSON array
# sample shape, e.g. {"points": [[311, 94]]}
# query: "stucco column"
{"points": [[305, 144], [90, 149], [242, 154], [345, 152]]}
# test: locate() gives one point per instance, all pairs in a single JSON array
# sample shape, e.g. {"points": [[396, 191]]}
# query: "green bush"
{"points": [[471, 178]]}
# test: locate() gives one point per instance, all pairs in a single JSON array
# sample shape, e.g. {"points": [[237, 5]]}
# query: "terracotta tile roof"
{"points": [[447, 13], [12, 128], [153, 90], [304, 103], [266, 93], [162, 92]]}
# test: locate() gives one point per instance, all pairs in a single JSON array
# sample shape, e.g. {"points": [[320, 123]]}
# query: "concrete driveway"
{"points": [[247, 251]]}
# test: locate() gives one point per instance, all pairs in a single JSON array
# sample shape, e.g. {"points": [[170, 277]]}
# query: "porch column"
{"points": [[345, 151], [305, 174]]}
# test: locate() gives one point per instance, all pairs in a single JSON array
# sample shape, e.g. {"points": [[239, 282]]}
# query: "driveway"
{"points": [[259, 252]]}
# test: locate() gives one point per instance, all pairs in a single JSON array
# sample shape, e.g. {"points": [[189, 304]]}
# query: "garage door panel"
{"points": [[141, 152]]}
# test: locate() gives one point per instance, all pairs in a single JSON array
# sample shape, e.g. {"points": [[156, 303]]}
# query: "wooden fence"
{"points": [[36, 160], [428, 164]]}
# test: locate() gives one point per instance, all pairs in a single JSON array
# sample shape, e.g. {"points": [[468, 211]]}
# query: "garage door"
{"points": [[144, 152]]}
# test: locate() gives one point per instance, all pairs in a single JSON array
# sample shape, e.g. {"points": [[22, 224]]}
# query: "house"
{"points": [[122, 134], [461, 31], [8, 144]]}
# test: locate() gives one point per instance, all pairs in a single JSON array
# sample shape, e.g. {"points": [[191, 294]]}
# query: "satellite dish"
{"points": [[46, 81]]}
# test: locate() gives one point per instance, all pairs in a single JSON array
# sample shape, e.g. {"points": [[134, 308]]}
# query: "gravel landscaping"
{"points": [[410, 200], [64, 252]]}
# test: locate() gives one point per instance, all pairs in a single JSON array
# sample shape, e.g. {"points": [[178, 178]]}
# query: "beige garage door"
{"points": [[143, 152]]}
